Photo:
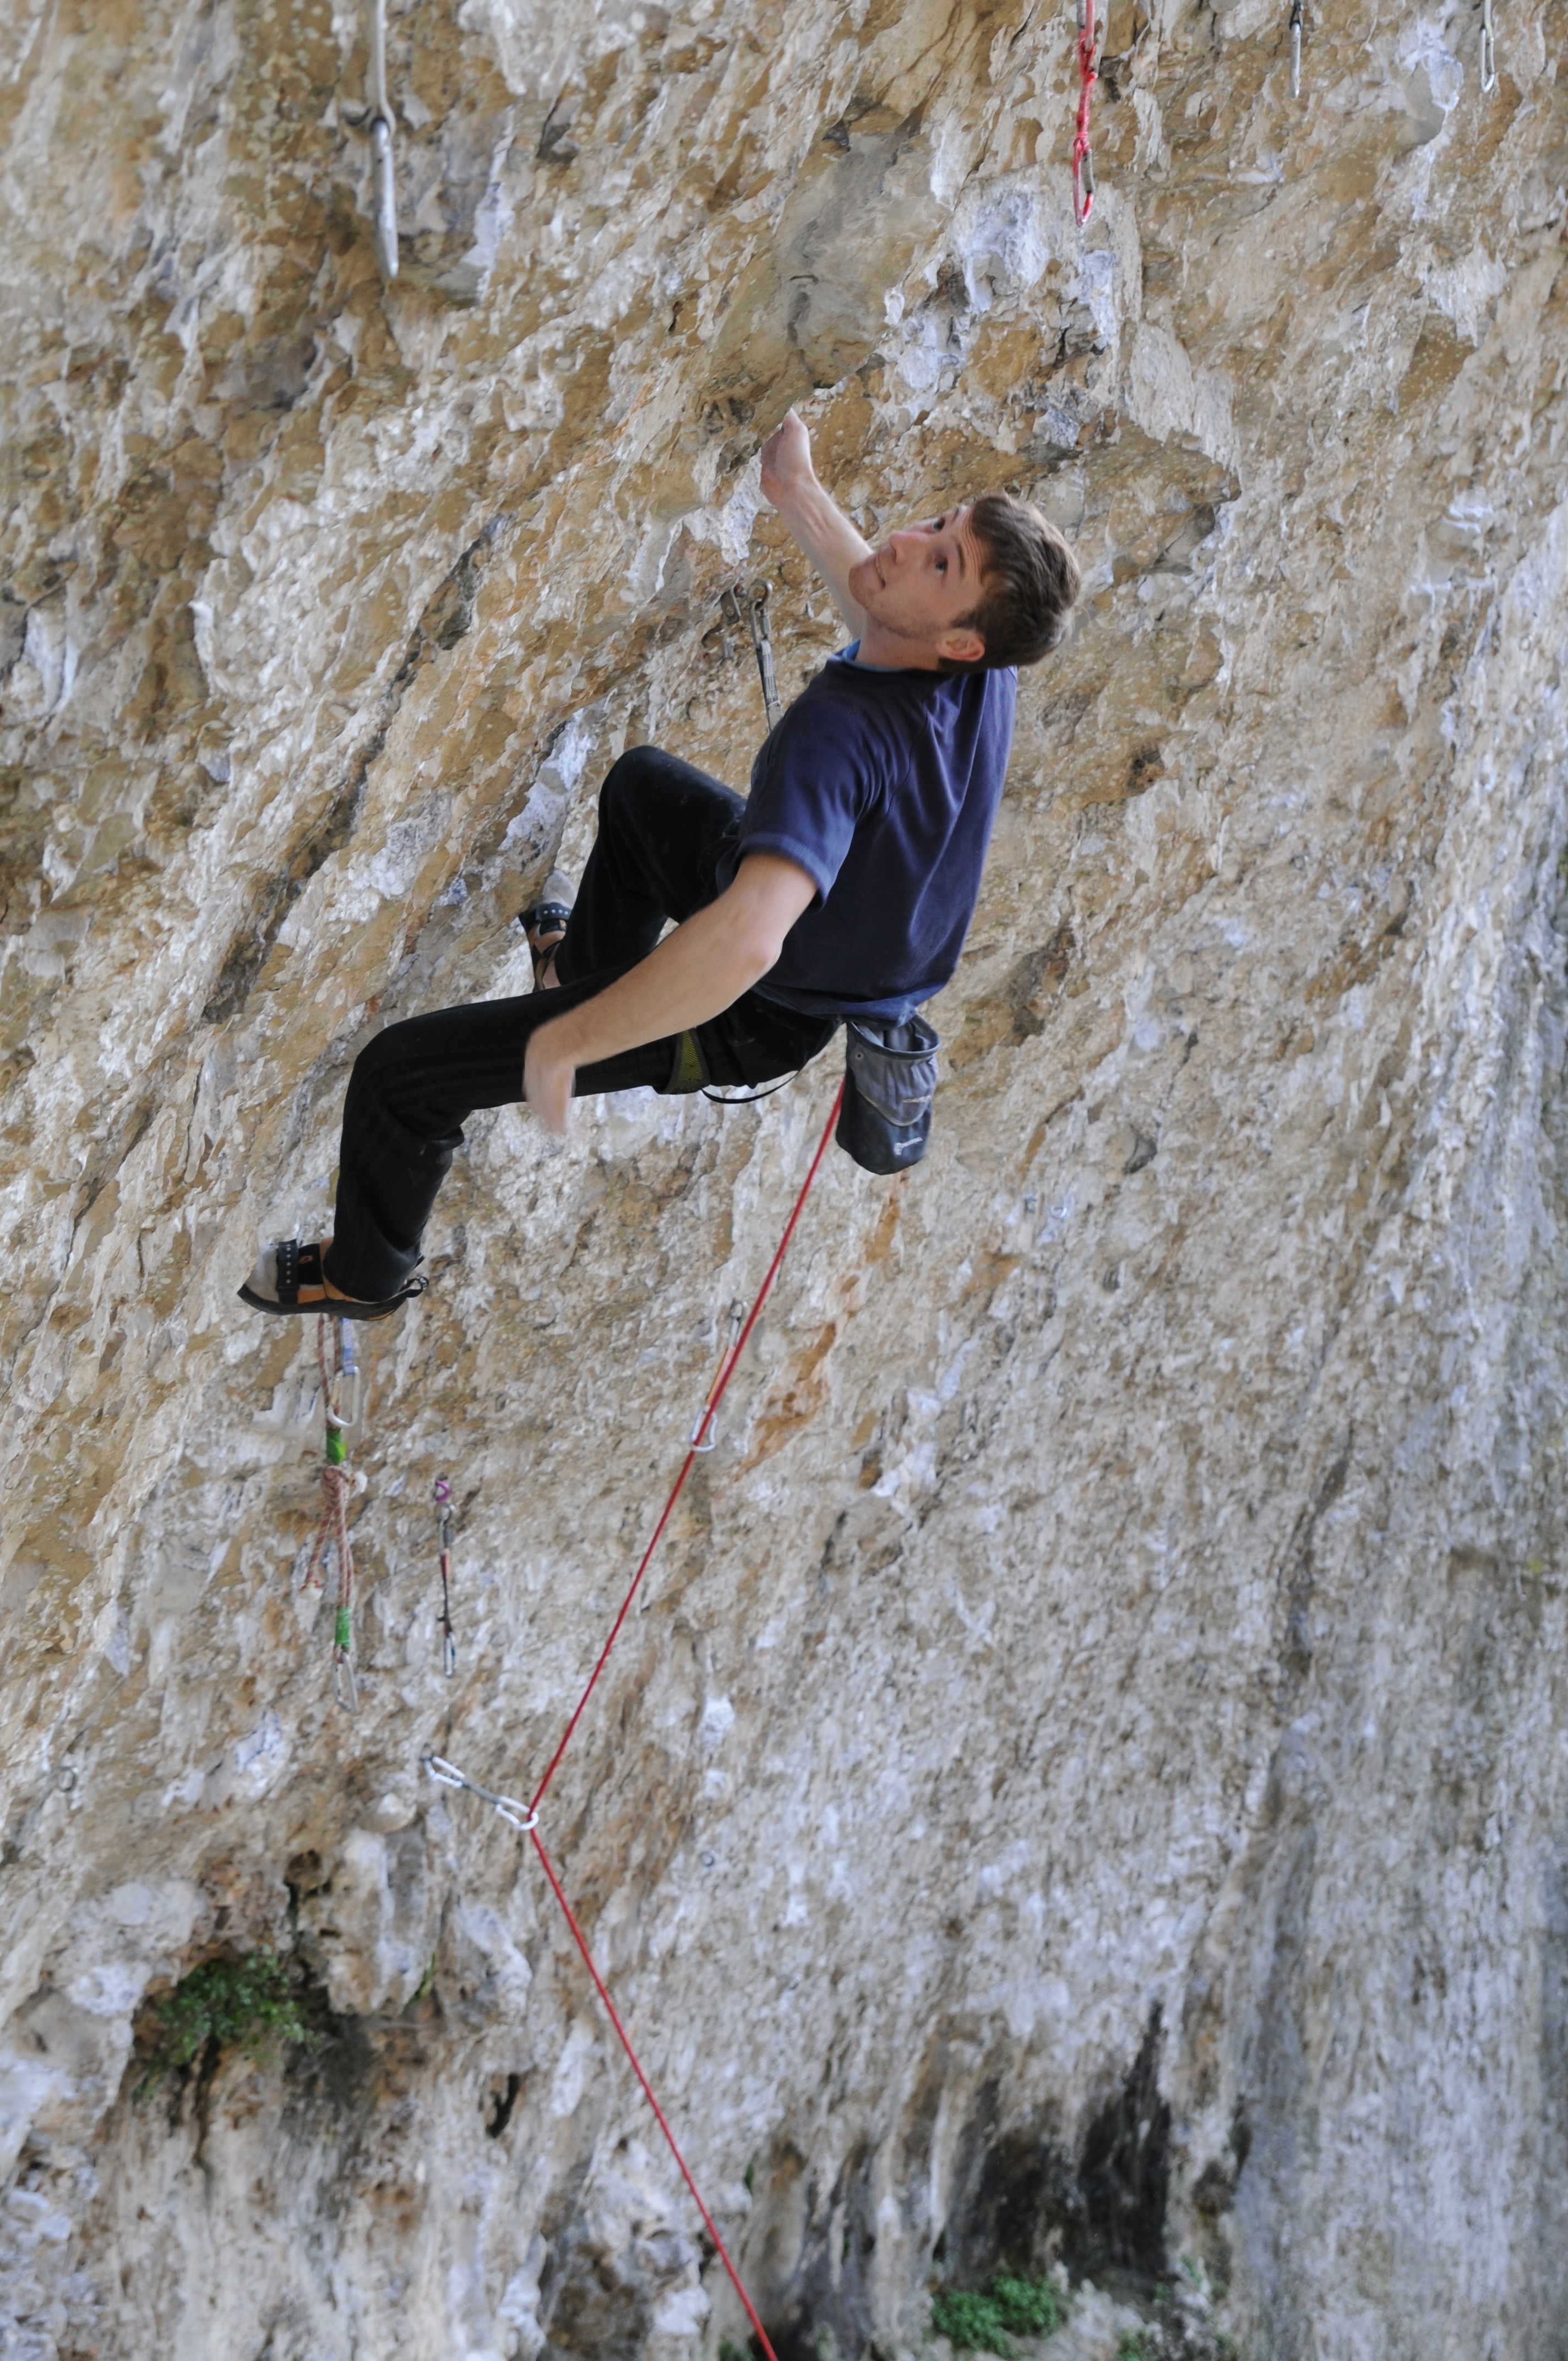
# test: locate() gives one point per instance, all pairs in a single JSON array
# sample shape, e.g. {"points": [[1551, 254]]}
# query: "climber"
{"points": [[843, 888]]}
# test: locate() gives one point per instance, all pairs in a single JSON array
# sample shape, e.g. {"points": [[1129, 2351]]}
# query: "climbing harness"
{"points": [[1489, 48], [340, 1482], [750, 602], [890, 1083], [384, 219], [704, 1417], [443, 1490], [1083, 154], [1295, 20], [526, 1817], [748, 1098]]}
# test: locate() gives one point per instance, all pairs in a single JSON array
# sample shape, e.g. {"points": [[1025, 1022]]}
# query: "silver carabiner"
{"points": [[1296, 15], [346, 1376], [384, 212], [763, 645], [705, 1415], [384, 220], [1488, 50], [447, 1774], [729, 608]]}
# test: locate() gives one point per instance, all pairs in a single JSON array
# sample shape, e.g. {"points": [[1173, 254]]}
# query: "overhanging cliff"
{"points": [[1087, 1781]]}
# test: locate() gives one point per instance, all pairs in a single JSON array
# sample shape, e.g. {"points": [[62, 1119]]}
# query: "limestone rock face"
{"points": [[1085, 1778]]}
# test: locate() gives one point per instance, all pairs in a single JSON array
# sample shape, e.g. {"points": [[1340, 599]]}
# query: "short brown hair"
{"points": [[1028, 584]]}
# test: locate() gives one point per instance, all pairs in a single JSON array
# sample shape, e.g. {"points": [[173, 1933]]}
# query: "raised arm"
{"points": [[822, 530]]}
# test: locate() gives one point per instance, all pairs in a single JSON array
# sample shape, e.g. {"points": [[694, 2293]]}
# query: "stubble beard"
{"points": [[892, 626]]}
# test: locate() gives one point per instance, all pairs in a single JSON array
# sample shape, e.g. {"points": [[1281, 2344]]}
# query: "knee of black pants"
{"points": [[395, 1075], [625, 782], [379, 1061]]}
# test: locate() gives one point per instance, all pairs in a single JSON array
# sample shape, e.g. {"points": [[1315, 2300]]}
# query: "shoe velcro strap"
{"points": [[297, 1262], [545, 914]]}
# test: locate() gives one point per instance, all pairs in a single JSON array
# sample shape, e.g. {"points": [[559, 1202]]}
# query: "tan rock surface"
{"points": [[1088, 1772]]}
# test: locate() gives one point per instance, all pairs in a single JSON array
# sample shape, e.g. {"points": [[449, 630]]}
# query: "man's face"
{"points": [[919, 583]]}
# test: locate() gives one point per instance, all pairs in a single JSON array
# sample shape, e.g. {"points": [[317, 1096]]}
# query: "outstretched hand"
{"points": [[815, 523], [787, 460]]}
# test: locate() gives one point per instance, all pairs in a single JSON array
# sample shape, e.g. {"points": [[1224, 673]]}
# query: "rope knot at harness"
{"points": [[1083, 154]]}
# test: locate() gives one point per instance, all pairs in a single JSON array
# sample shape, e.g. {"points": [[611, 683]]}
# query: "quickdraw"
{"points": [[444, 1522], [1083, 154], [1488, 50], [384, 219], [704, 1433], [750, 603], [447, 1774], [1296, 14], [340, 1482]]}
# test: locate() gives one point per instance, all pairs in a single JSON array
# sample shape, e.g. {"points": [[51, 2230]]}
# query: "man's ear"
{"points": [[961, 647]]}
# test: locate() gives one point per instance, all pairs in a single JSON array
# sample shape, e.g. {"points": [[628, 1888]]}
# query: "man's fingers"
{"points": [[788, 448], [547, 1087]]}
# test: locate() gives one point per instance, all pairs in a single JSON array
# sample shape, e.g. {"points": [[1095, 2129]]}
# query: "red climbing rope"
{"points": [[1082, 155], [725, 1372], [578, 1937], [451, 1776]]}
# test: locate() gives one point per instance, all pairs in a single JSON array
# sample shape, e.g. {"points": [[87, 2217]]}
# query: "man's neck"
{"points": [[883, 651]]}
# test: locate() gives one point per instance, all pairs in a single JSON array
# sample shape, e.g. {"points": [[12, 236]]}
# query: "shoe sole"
{"points": [[334, 1305]]}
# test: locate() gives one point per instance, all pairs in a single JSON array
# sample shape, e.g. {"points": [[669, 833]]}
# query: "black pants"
{"points": [[663, 829]]}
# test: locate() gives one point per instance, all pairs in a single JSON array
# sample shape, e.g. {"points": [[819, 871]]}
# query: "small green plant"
{"points": [[988, 2323], [1132, 2345], [730, 2351], [248, 2005], [968, 2321]]}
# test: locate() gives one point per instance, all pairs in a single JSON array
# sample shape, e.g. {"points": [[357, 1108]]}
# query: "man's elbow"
{"points": [[770, 893], [758, 949]]}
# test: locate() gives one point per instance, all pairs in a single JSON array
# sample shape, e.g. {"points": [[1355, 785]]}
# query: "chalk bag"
{"points": [[891, 1081]]}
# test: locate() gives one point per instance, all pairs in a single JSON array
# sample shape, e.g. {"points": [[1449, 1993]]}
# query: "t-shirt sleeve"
{"points": [[814, 781]]}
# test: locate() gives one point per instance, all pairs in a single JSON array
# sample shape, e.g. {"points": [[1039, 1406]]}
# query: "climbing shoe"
{"points": [[889, 1080], [281, 1270], [544, 923]]}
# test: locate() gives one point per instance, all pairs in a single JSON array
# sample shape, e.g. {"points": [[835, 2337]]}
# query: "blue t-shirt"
{"points": [[882, 787]]}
